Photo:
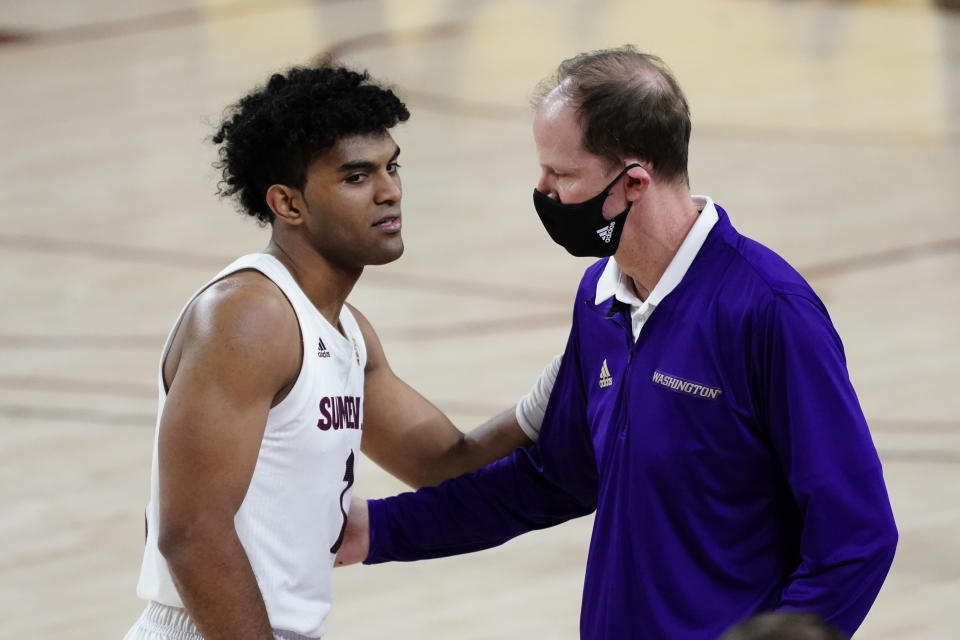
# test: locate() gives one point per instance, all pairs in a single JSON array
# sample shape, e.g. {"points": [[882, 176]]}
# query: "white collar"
{"points": [[611, 280]]}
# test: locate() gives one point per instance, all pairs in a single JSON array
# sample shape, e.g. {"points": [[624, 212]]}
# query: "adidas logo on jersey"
{"points": [[606, 233], [322, 349], [605, 378]]}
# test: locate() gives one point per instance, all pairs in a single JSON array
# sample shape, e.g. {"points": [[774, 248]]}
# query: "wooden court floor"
{"points": [[829, 130]]}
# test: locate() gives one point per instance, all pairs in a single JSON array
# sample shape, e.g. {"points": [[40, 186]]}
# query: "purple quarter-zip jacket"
{"points": [[725, 454]]}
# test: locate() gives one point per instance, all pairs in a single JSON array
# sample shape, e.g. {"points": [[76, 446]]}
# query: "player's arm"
{"points": [[412, 439], [236, 350]]}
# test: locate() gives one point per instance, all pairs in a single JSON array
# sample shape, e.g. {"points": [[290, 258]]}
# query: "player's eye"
{"points": [[355, 178]]}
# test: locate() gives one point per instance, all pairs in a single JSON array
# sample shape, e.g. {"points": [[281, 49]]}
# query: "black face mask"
{"points": [[581, 228]]}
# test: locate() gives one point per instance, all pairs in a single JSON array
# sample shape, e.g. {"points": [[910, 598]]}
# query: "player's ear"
{"points": [[286, 203]]}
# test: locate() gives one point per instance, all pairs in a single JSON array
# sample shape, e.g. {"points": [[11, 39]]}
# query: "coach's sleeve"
{"points": [[547, 483], [824, 446]]}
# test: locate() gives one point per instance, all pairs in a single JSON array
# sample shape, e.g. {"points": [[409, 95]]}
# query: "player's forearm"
{"points": [[499, 436], [217, 585], [491, 441]]}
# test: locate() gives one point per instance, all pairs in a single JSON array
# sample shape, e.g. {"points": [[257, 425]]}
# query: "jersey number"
{"points": [[348, 478]]}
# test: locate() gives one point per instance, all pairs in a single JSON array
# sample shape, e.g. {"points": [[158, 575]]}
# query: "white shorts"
{"points": [[160, 622]]}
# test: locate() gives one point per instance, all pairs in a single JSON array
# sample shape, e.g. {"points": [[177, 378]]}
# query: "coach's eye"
{"points": [[392, 167]]}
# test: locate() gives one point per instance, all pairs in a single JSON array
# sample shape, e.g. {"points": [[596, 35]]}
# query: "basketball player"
{"points": [[703, 407], [269, 377]]}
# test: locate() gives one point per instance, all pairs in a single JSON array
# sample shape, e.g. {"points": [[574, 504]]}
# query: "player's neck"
{"points": [[325, 284]]}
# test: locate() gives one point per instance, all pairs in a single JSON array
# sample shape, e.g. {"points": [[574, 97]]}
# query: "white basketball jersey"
{"points": [[290, 522]]}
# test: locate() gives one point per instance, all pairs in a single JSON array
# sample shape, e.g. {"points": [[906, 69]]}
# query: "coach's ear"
{"points": [[637, 180], [286, 203]]}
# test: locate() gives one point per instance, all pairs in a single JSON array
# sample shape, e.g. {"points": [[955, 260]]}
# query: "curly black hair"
{"points": [[273, 134]]}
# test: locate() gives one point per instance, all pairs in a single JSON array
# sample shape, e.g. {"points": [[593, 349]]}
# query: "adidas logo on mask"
{"points": [[606, 233]]}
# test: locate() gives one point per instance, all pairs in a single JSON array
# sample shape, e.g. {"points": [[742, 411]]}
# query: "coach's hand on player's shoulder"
{"points": [[356, 537]]}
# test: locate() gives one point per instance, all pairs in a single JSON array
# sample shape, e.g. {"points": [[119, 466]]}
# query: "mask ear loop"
{"points": [[606, 192], [621, 174]]}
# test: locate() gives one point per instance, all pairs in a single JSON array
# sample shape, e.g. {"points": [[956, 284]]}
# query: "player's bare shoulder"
{"points": [[243, 318]]}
